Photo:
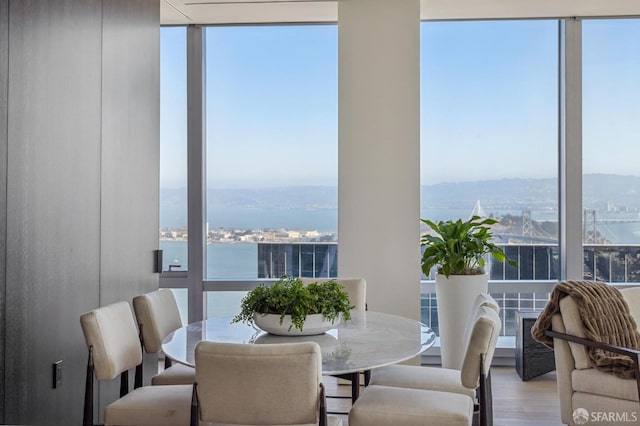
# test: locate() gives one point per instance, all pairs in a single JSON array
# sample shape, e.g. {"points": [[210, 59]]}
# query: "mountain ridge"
{"points": [[603, 192]]}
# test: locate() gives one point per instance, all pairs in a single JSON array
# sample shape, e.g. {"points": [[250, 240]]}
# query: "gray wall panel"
{"points": [[4, 63], [53, 203], [81, 204], [130, 147], [130, 152]]}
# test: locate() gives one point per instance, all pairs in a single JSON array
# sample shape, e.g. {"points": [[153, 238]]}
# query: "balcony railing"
{"points": [[535, 262], [618, 263]]}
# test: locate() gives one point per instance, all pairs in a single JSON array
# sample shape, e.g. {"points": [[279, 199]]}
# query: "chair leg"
{"points": [[476, 411], [87, 418], [485, 400], [323, 407], [124, 383], [137, 381], [167, 362], [195, 408]]}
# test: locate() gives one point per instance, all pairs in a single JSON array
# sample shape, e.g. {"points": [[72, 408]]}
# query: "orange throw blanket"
{"points": [[606, 319]]}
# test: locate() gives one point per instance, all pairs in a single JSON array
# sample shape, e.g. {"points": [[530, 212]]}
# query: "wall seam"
{"points": [[3, 318], [101, 141], [97, 396]]}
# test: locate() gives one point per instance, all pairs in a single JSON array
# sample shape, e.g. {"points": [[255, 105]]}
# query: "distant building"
{"points": [[313, 260]]}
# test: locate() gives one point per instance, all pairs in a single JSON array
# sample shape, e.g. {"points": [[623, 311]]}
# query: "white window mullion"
{"points": [[570, 149]]}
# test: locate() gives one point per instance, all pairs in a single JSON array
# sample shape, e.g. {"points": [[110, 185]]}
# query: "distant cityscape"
{"points": [[222, 235]]}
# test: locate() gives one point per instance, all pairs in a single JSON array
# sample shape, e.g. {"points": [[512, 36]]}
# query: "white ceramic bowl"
{"points": [[313, 324]]}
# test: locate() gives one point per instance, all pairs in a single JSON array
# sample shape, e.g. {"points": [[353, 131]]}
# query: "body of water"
{"points": [[240, 260], [224, 260]]}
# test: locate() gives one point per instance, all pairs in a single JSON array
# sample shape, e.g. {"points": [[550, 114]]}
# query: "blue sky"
{"points": [[611, 93], [272, 92], [489, 102]]}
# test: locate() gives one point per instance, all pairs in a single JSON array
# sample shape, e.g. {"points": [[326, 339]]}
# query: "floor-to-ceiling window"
{"points": [[489, 137], [272, 149], [611, 176], [173, 231], [173, 148], [270, 156], [489, 140]]}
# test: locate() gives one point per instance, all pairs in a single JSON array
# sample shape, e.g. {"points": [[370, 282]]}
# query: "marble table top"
{"points": [[369, 340]]}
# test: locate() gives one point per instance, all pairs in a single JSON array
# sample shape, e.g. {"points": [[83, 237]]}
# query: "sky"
{"points": [[488, 102]]}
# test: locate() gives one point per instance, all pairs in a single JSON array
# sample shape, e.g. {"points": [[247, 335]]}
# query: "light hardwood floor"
{"points": [[515, 403]]}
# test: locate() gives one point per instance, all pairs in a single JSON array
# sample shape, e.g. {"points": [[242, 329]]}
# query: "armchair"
{"points": [[581, 386]]}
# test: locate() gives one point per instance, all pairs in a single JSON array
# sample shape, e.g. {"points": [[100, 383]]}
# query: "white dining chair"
{"points": [[113, 349], [433, 378], [386, 405], [270, 384], [158, 315], [356, 289]]}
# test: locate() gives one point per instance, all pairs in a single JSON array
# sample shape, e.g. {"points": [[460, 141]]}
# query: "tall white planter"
{"points": [[456, 295]]}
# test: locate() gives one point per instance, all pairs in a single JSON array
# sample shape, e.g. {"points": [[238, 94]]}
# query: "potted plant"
{"points": [[458, 250], [289, 307]]}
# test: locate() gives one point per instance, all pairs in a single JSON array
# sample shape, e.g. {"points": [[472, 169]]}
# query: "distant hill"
{"points": [[601, 191], [173, 201]]}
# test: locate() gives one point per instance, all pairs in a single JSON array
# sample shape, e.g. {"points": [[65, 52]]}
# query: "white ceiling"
{"points": [[181, 12]]}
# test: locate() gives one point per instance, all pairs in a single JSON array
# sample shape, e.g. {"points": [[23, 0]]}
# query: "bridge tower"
{"points": [[590, 234], [527, 226], [477, 210]]}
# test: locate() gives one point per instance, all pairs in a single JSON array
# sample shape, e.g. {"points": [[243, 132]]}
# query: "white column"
{"points": [[379, 150]]}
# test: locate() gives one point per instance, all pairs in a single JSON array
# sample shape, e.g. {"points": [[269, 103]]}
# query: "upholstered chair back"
{"points": [[482, 300], [356, 289], [270, 384], [632, 297], [112, 332], [480, 347], [573, 325], [158, 315], [568, 356]]}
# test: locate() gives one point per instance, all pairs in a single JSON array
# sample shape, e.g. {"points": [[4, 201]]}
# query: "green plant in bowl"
{"points": [[290, 296]]}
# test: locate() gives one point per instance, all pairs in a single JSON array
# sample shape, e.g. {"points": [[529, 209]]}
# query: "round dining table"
{"points": [[368, 340]]}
